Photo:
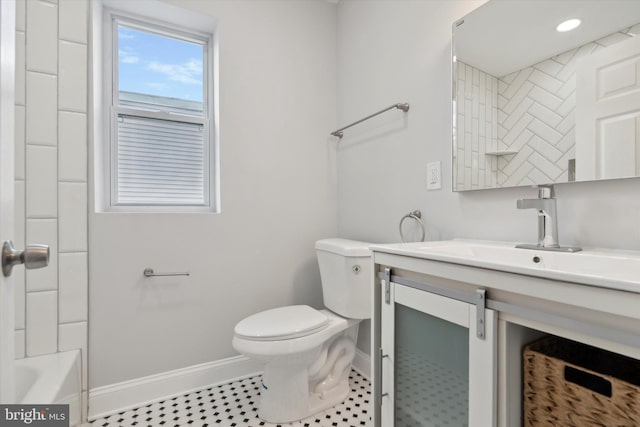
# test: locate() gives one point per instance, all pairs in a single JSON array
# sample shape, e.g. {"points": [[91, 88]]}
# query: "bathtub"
{"points": [[52, 378]]}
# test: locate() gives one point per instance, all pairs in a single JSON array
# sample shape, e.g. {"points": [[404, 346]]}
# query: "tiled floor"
{"points": [[235, 405], [429, 394]]}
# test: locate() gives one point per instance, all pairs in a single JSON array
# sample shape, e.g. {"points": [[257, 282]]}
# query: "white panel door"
{"points": [[608, 112], [7, 73]]}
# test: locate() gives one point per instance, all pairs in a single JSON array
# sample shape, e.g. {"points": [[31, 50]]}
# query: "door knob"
{"points": [[34, 256]]}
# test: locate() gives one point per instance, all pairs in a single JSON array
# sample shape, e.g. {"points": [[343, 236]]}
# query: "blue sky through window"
{"points": [[156, 65]]}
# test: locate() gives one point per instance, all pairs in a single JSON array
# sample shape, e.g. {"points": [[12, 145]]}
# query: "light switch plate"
{"points": [[434, 176]]}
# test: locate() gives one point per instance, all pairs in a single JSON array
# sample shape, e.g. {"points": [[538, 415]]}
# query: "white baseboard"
{"points": [[119, 397], [114, 398], [362, 363]]}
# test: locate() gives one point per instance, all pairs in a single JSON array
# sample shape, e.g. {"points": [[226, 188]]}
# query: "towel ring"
{"points": [[416, 215]]}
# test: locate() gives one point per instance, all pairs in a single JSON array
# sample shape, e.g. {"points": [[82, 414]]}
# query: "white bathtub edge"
{"points": [[57, 380], [57, 377], [114, 398]]}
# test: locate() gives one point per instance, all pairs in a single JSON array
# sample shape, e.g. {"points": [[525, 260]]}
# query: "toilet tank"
{"points": [[345, 270]]}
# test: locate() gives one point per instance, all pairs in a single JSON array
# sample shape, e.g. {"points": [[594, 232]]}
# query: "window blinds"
{"points": [[160, 162]]}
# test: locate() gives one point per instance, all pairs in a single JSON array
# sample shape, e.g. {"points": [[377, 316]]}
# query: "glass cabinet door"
{"points": [[431, 370], [436, 371]]}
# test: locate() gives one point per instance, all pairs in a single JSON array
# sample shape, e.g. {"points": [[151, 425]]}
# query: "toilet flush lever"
{"points": [[34, 256]]}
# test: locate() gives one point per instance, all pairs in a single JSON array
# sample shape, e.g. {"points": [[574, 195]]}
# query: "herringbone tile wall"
{"points": [[535, 118]]}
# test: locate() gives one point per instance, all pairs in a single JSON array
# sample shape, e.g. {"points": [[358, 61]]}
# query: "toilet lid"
{"points": [[282, 323]]}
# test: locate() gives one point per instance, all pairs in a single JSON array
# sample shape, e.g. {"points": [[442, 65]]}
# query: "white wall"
{"points": [[397, 51], [278, 191], [278, 102]]}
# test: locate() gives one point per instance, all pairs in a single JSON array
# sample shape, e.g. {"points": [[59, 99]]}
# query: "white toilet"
{"points": [[307, 352]]}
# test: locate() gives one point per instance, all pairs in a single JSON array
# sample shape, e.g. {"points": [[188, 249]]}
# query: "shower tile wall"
{"points": [[476, 128], [535, 117], [51, 175]]}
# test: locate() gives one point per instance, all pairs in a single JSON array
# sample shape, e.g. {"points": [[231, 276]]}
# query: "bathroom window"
{"points": [[162, 147]]}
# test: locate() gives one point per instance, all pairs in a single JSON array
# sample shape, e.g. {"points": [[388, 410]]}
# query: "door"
{"points": [[608, 112], [7, 72], [436, 370]]}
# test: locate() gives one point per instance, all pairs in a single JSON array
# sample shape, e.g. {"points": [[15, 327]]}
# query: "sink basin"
{"points": [[604, 268]]}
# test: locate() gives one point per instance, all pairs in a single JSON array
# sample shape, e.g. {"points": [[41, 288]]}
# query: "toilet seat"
{"points": [[282, 323], [275, 348]]}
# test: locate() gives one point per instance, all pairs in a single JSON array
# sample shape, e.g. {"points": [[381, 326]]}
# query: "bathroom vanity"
{"points": [[451, 319]]}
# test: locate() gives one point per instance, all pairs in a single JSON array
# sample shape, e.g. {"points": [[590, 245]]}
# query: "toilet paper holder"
{"points": [[148, 272]]}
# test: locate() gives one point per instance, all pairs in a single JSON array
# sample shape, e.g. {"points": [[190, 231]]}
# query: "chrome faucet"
{"points": [[545, 204]]}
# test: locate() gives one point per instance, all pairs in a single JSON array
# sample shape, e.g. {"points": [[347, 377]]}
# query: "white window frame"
{"points": [[111, 19]]}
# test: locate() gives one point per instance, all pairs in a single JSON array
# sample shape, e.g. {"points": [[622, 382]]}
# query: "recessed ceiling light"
{"points": [[568, 25]]}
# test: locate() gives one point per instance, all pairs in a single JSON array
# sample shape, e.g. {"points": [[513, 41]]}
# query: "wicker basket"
{"points": [[572, 384]]}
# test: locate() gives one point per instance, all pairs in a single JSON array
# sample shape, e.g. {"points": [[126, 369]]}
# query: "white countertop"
{"points": [[606, 268]]}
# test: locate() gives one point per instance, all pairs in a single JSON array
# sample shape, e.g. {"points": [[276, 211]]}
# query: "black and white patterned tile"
{"points": [[429, 394], [235, 405]]}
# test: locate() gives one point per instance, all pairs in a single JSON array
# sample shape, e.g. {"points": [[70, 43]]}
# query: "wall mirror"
{"points": [[536, 105]]}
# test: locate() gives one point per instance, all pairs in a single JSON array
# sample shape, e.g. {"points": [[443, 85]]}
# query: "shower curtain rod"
{"points": [[400, 106]]}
